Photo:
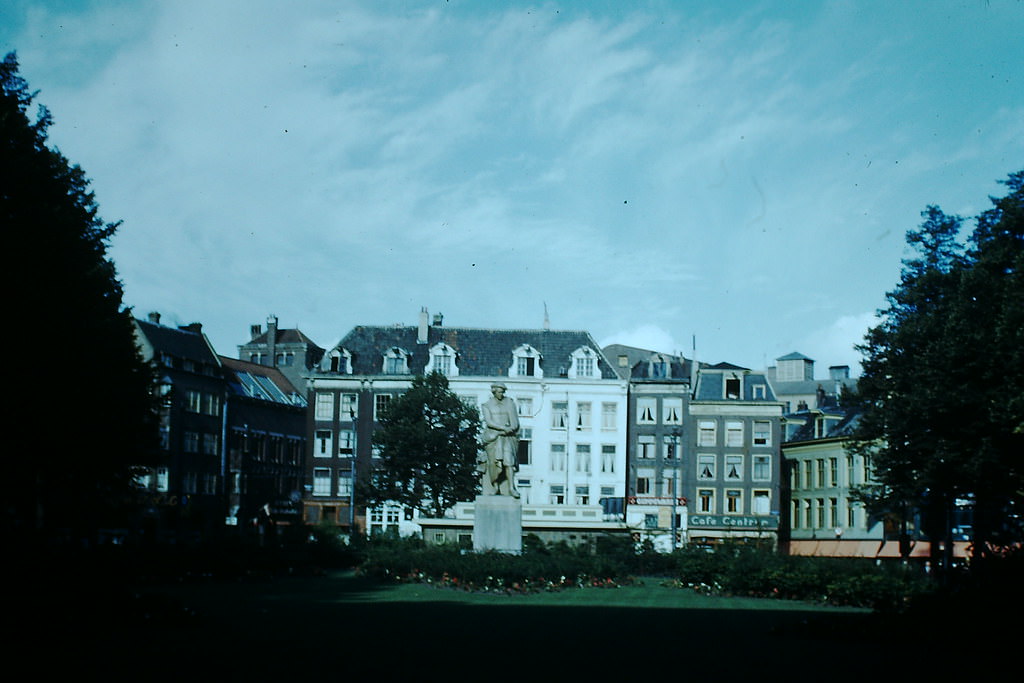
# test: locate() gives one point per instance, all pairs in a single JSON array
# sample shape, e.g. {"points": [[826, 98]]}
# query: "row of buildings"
{"points": [[613, 440]]}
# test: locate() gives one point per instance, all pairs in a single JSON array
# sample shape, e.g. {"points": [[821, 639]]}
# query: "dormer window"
{"points": [[396, 361], [660, 367], [733, 387], [525, 362], [341, 362], [442, 360], [584, 363]]}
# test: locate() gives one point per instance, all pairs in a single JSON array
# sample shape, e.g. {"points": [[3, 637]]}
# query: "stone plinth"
{"points": [[498, 524]]}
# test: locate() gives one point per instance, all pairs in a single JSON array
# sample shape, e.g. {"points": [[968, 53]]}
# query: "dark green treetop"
{"points": [[427, 439]]}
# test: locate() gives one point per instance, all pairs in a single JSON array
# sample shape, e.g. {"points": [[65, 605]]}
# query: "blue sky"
{"points": [[739, 172]]}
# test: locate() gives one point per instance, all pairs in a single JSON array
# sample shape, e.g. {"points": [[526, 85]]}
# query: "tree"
{"points": [[941, 389], [428, 447], [83, 390]]}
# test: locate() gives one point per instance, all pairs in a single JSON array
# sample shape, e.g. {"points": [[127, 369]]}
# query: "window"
{"points": [[584, 363], [525, 362], [396, 362], [762, 502], [211, 404], [346, 441], [349, 406], [209, 484], [820, 509], [734, 434], [808, 515], [795, 475], [524, 406], [559, 414], [808, 474], [672, 411], [850, 471], [557, 494], [194, 401], [380, 404], [525, 446], [582, 415], [558, 457], [706, 500], [851, 515], [609, 415], [671, 447], [324, 406], [796, 514], [607, 491], [210, 444], [322, 448], [732, 387], [660, 367], [341, 361], [583, 495], [707, 433], [821, 472], [162, 479], [643, 485], [646, 411], [762, 433], [734, 467], [190, 484], [733, 501], [760, 392], [833, 512], [608, 458], [583, 458], [833, 471], [191, 442], [645, 447], [705, 466], [762, 470], [345, 484], [442, 360]]}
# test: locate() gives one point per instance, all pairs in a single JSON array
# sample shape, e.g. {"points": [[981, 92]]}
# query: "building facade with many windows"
{"points": [[572, 413]]}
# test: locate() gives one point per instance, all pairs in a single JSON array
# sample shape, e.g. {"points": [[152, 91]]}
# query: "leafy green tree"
{"points": [[428, 447], [941, 388], [83, 392]]}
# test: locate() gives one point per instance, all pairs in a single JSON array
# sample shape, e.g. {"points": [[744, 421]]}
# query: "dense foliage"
{"points": [[731, 570], [82, 389], [428, 446], [941, 390]]}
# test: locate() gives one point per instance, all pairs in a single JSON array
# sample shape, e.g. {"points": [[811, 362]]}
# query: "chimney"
{"points": [[154, 318], [255, 331], [272, 340], [421, 337], [195, 328], [839, 372], [438, 320]]}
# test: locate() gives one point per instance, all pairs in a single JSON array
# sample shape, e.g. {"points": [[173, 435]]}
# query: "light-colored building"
{"points": [[572, 409]]}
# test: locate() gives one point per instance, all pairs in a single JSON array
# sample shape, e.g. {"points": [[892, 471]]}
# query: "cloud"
{"points": [[651, 337]]}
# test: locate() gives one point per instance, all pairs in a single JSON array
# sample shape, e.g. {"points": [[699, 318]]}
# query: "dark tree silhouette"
{"points": [[81, 391]]}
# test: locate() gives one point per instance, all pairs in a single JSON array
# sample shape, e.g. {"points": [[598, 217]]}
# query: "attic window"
{"points": [[525, 362], [396, 362], [732, 387], [584, 363], [341, 362], [442, 360]]}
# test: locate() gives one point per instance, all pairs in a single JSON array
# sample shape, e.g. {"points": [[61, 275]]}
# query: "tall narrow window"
{"points": [[559, 414], [523, 457], [762, 470], [705, 466], [324, 406], [706, 433], [608, 415], [346, 441], [582, 415], [733, 501], [706, 500], [321, 481], [645, 447], [558, 457], [608, 458], [583, 458], [734, 434], [380, 404], [762, 433], [349, 406], [762, 502], [672, 411], [646, 410], [734, 467]]}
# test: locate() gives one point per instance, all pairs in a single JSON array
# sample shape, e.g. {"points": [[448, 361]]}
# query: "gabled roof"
{"points": [[180, 342], [261, 382], [479, 351]]}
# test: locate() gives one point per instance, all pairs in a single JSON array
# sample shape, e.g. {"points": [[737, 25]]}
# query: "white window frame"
{"points": [[324, 408], [520, 354], [646, 411]]}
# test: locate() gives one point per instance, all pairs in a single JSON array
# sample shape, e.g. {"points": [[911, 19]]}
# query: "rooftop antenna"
{"points": [[547, 321]]}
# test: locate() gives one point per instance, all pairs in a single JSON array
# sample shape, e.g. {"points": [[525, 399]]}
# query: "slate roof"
{"points": [[479, 351], [284, 336], [260, 381], [711, 385], [843, 428], [639, 368], [177, 342], [794, 355]]}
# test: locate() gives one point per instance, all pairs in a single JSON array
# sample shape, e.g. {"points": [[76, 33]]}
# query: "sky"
{"points": [[731, 180]]}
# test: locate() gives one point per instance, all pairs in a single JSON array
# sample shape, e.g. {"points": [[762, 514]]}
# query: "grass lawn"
{"points": [[340, 627]]}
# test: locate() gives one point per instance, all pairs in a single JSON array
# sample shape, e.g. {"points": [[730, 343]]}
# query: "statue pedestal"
{"points": [[498, 524]]}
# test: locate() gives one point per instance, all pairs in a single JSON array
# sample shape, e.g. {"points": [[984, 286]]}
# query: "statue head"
{"points": [[498, 390]]}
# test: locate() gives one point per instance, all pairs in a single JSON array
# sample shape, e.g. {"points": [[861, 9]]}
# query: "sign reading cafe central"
{"points": [[740, 521]]}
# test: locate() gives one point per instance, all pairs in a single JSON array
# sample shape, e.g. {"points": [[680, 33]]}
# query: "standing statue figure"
{"points": [[501, 443]]}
